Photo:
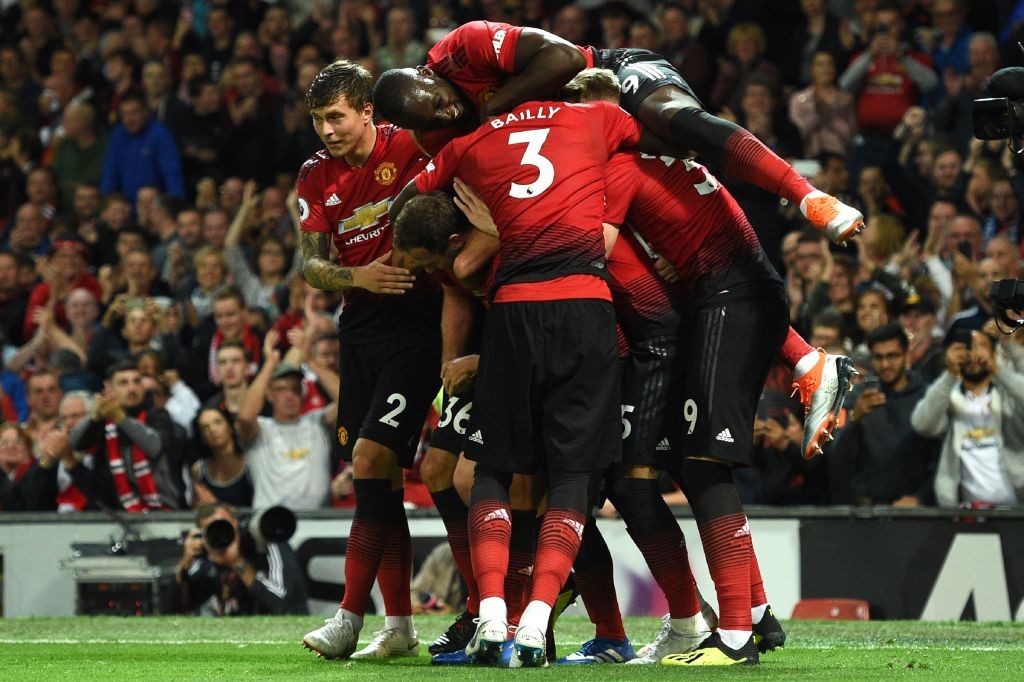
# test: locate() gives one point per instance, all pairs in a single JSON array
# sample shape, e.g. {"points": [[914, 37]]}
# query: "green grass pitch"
{"points": [[171, 648]]}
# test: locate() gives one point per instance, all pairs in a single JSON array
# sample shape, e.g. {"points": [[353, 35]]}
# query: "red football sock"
{"points": [[522, 552], [371, 531], [746, 159], [757, 595], [793, 349], [395, 572], [557, 545], [490, 527], [455, 516], [727, 547], [595, 581], [665, 554]]}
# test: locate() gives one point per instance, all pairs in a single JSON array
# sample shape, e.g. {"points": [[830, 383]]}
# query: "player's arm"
{"points": [[474, 259], [611, 233], [407, 193], [457, 314], [378, 276], [544, 63]]}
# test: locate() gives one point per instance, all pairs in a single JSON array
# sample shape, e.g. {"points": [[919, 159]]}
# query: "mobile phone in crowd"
{"points": [[872, 382]]}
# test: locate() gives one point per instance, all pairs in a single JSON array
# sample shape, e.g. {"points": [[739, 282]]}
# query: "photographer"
{"points": [[230, 576], [976, 406]]}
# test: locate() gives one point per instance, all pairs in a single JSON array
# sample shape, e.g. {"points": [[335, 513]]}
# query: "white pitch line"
{"points": [[254, 642]]}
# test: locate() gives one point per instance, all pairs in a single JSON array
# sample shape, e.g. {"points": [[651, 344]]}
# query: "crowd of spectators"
{"points": [[161, 350]]}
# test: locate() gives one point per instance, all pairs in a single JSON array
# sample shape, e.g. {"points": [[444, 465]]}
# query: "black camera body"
{"points": [[256, 530], [1006, 295], [1000, 115]]}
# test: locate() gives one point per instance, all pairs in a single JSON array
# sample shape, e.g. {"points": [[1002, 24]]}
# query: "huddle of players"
{"points": [[539, 411]]}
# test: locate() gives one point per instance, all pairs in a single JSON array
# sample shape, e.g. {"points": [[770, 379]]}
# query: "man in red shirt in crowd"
{"points": [[543, 396], [887, 79], [390, 345], [485, 68]]}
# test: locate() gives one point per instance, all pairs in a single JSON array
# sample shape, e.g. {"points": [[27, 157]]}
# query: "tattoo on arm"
{"points": [[317, 267]]}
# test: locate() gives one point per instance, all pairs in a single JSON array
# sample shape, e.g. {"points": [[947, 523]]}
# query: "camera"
{"points": [[1007, 295], [881, 29], [1000, 115], [262, 527]]}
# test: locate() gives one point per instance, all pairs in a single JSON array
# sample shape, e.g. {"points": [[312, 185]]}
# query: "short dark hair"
{"points": [[889, 332], [830, 317], [125, 365], [233, 343], [340, 79], [133, 95], [824, 157], [427, 221], [810, 235], [229, 292], [391, 92]]}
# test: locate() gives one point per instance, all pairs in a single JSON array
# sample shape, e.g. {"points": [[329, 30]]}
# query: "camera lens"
{"points": [[219, 534]]}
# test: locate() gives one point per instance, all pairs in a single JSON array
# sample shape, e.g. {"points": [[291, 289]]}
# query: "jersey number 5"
{"points": [[534, 140]]}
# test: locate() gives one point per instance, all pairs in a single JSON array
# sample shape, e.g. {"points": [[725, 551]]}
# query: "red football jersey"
{"points": [[645, 304], [478, 57], [351, 203], [679, 208], [540, 169]]}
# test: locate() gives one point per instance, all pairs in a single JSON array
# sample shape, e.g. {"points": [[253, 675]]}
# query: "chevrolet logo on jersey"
{"points": [[365, 216]]}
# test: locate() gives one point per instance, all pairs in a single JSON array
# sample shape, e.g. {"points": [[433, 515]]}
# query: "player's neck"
{"points": [[361, 152]]}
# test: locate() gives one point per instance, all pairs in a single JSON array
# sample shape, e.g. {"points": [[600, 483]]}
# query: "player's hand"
{"points": [[459, 373], [907, 501], [665, 270], [381, 278], [869, 401], [470, 203]]}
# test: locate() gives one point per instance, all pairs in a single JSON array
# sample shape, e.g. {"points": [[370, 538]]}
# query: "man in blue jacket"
{"points": [[141, 152]]}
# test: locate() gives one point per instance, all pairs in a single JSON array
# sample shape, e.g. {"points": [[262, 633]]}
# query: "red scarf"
{"points": [[252, 344], [140, 469]]}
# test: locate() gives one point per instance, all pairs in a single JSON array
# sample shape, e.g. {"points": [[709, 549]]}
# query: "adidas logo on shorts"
{"points": [[663, 446], [725, 437], [477, 437], [332, 200]]}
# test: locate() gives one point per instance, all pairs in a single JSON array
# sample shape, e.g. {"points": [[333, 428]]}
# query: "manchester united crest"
{"points": [[343, 435], [385, 173]]}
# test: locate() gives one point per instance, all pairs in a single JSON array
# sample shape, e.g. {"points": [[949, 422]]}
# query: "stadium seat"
{"points": [[831, 609]]}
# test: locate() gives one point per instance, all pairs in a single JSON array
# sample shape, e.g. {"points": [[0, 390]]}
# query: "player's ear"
{"points": [[456, 242]]}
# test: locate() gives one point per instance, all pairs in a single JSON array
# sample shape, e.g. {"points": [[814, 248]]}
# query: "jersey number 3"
{"points": [[534, 140]]}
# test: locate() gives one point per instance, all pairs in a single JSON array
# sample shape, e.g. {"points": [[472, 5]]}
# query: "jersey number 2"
{"points": [[534, 140]]}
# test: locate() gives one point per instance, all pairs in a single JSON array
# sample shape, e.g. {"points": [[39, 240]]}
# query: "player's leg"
{"points": [[580, 435], [593, 573], [371, 518], [405, 383], [500, 441], [655, 92], [656, 532], [733, 341], [822, 380], [491, 528], [438, 472]]}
